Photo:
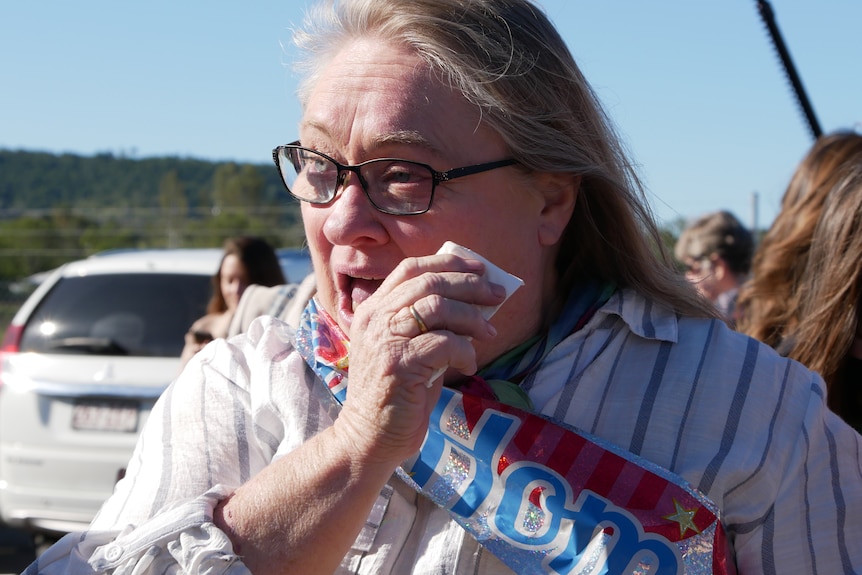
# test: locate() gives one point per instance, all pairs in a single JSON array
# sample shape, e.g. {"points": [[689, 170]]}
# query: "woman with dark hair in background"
{"points": [[247, 260]]}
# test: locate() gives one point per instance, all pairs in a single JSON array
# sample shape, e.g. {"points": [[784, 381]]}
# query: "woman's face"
{"points": [[376, 100], [234, 280]]}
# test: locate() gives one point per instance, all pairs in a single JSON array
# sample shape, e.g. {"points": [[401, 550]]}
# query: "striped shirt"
{"points": [[745, 426]]}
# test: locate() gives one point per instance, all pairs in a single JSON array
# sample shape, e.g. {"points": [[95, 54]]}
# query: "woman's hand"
{"points": [[195, 340], [393, 357]]}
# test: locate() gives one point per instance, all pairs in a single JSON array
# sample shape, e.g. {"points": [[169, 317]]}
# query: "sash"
{"points": [[544, 497]]}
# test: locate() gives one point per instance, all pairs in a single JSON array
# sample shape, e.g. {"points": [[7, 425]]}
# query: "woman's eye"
{"points": [[316, 164], [396, 174]]}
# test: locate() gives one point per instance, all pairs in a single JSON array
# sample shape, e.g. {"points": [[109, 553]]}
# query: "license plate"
{"points": [[105, 415]]}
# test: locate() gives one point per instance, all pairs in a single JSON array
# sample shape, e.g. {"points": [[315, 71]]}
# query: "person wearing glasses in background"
{"points": [[715, 251], [604, 419]]}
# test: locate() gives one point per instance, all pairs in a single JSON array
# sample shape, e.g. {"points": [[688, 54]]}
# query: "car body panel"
{"points": [[69, 421]]}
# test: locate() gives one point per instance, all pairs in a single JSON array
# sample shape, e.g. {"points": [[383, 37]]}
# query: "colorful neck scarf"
{"points": [[501, 379], [541, 496], [321, 339]]}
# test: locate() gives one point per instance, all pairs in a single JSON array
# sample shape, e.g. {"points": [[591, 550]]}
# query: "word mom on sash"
{"points": [[515, 503]]}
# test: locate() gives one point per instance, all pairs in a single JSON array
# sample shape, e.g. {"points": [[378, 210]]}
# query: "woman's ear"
{"points": [[560, 192]]}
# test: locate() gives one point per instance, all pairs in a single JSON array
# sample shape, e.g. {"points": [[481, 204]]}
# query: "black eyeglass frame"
{"points": [[437, 177], [697, 261]]}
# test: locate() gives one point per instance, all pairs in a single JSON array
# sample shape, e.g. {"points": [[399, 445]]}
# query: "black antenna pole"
{"points": [[768, 17]]}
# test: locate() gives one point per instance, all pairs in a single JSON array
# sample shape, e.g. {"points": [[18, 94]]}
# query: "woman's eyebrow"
{"points": [[396, 137], [408, 138]]}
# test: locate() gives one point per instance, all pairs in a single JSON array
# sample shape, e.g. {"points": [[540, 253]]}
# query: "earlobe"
{"points": [[560, 193]]}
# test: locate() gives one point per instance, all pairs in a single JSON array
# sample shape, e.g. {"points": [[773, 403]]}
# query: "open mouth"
{"points": [[354, 291], [361, 289]]}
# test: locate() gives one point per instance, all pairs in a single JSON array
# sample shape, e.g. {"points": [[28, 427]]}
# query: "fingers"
{"points": [[420, 323], [435, 352], [443, 274], [436, 313], [416, 266]]}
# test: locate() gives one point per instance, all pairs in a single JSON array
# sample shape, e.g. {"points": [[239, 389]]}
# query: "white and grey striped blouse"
{"points": [[746, 427]]}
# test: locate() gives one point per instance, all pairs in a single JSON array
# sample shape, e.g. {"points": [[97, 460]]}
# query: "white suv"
{"points": [[81, 365]]}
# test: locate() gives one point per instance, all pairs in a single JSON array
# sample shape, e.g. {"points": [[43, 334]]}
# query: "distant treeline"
{"points": [[59, 207]]}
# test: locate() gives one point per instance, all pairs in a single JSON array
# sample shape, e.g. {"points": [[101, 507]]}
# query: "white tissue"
{"points": [[495, 274]]}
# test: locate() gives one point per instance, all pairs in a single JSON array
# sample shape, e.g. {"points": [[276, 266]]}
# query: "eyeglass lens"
{"points": [[393, 186]]}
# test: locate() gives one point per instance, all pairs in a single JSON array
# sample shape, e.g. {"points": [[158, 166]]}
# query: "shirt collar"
{"points": [[644, 317]]}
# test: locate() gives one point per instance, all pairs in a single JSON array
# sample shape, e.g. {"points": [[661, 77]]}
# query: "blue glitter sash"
{"points": [[543, 497]]}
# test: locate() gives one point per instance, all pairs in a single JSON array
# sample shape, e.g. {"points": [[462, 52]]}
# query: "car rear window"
{"points": [[117, 314]]}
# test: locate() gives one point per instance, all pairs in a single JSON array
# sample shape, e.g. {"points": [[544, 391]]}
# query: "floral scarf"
{"points": [[326, 348]]}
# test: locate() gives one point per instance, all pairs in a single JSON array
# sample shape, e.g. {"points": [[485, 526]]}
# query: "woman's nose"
{"points": [[351, 215]]}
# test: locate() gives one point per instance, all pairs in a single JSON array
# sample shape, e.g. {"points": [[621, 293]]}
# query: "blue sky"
{"points": [[695, 88]]}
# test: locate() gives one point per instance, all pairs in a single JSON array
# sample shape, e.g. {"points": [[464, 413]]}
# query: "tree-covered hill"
{"points": [[58, 207], [38, 180]]}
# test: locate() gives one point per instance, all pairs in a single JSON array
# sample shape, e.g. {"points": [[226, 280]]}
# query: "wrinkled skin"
{"points": [[374, 101]]}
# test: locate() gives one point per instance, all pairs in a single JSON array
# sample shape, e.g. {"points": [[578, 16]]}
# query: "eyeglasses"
{"points": [[393, 186], [697, 264]]}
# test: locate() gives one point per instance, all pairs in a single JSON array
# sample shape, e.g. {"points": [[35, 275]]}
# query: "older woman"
{"points": [[362, 442]]}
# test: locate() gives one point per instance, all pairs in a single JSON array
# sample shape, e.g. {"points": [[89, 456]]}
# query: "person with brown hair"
{"points": [[716, 251], [246, 260], [499, 370], [827, 332], [768, 300]]}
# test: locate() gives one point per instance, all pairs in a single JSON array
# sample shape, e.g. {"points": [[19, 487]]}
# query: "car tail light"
{"points": [[11, 343], [12, 339]]}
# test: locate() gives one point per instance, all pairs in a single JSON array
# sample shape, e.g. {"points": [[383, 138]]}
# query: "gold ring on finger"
{"points": [[419, 321]]}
